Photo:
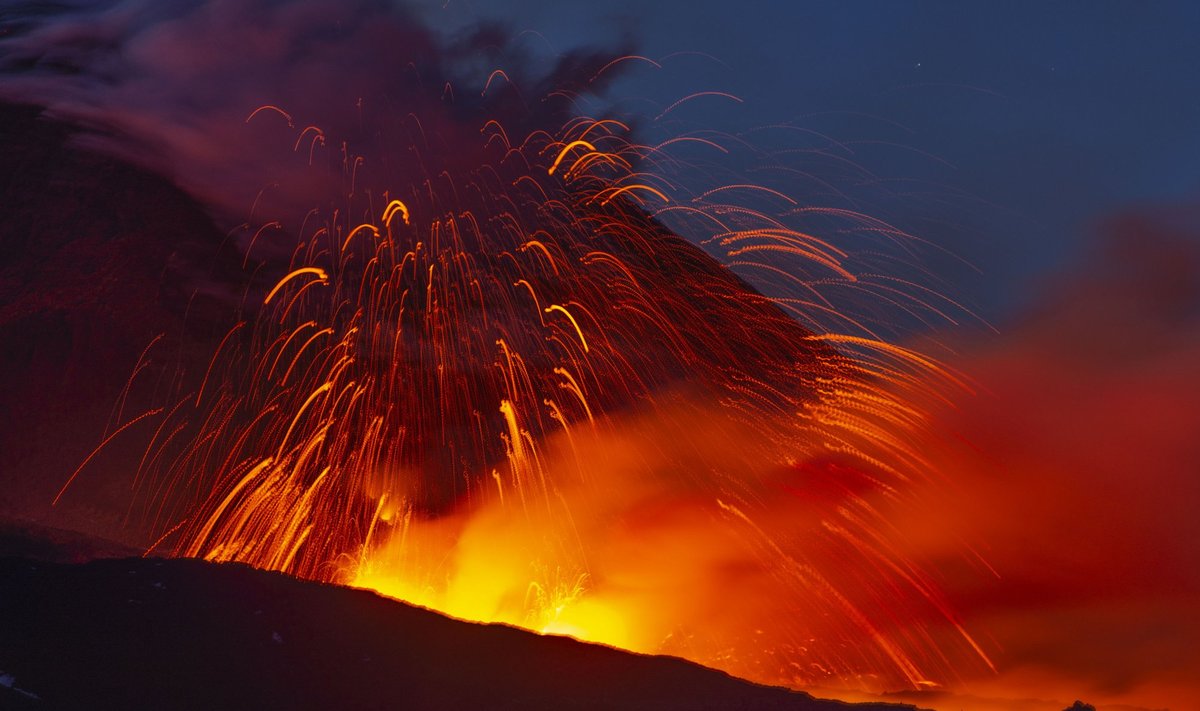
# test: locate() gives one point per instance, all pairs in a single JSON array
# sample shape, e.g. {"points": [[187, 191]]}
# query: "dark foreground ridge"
{"points": [[184, 634]]}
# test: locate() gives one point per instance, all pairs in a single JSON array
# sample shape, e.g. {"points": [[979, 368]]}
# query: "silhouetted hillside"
{"points": [[185, 634]]}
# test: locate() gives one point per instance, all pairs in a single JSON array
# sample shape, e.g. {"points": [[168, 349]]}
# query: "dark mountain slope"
{"points": [[184, 634]]}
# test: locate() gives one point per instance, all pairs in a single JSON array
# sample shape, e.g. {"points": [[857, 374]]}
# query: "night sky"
{"points": [[1034, 120]]}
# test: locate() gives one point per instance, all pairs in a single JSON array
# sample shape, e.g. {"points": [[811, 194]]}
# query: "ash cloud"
{"points": [[169, 85]]}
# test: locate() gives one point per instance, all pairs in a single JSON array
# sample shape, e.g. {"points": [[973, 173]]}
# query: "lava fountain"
{"points": [[502, 387]]}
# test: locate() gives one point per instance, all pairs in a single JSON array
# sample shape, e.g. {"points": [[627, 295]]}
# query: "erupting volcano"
{"points": [[451, 323], [514, 395], [483, 372]]}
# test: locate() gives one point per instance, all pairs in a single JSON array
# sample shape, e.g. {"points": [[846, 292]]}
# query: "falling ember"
{"points": [[508, 391]]}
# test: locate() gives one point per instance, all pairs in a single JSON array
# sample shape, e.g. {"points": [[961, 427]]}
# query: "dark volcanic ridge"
{"points": [[186, 634], [97, 258]]}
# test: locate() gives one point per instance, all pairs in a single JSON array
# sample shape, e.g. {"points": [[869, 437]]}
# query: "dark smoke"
{"points": [[168, 86]]}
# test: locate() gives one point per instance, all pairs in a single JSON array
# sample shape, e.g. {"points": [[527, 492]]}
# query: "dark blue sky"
{"points": [[1039, 118]]}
